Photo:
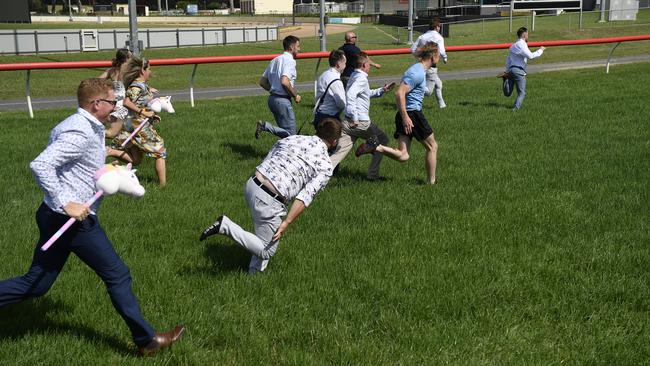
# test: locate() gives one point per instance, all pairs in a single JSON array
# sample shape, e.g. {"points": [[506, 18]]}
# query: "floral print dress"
{"points": [[147, 139]]}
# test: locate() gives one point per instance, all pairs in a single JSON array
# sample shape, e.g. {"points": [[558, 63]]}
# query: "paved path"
{"points": [[214, 93]]}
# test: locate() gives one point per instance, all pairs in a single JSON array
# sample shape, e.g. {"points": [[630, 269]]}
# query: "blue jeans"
{"points": [[518, 78], [284, 117], [87, 241]]}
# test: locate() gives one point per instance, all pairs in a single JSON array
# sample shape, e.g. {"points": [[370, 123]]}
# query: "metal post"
{"points": [[610, 57], [36, 41], [410, 22], [192, 85], [148, 39], [29, 98], [602, 11], [580, 14], [532, 27], [115, 38], [293, 15], [133, 28], [178, 40], [69, 11], [512, 8], [166, 8], [65, 40], [321, 32], [203, 37], [16, 44]]}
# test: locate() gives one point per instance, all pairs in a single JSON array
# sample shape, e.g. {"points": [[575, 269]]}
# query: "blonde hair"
{"points": [[92, 89], [132, 69], [428, 50]]}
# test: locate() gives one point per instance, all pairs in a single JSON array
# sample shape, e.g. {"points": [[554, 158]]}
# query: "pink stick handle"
{"points": [[134, 132], [69, 223]]}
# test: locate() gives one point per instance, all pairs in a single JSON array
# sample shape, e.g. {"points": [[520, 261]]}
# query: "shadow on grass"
{"points": [[245, 151], [488, 104], [31, 317], [224, 257]]}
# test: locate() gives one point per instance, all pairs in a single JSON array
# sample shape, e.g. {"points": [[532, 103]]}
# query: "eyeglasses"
{"points": [[353, 37], [111, 102]]}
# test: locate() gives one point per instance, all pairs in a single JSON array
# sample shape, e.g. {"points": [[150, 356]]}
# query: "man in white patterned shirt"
{"points": [[518, 56], [357, 122], [279, 79], [434, 84], [64, 172], [296, 167]]}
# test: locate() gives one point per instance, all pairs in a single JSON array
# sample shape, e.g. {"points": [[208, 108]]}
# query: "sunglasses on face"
{"points": [[111, 102]]}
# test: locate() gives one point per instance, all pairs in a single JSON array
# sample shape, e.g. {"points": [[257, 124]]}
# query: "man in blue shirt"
{"points": [[64, 172], [409, 120]]}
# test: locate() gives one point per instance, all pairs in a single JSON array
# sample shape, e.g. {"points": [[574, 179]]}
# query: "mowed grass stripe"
{"points": [[532, 249]]}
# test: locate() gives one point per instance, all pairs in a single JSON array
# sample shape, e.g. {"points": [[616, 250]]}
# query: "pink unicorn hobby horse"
{"points": [[109, 180], [157, 105]]}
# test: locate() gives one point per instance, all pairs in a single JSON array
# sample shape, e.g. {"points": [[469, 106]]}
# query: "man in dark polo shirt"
{"points": [[351, 51]]}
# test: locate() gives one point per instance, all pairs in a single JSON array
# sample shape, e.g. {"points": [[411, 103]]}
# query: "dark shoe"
{"points": [[337, 169], [259, 127], [212, 229], [161, 341], [367, 147]]}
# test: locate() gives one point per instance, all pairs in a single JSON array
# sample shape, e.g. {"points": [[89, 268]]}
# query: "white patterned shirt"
{"points": [[334, 101], [358, 96], [298, 166], [64, 170], [519, 53], [283, 65]]}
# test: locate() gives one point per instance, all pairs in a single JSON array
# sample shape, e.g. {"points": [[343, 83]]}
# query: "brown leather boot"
{"points": [[162, 340]]}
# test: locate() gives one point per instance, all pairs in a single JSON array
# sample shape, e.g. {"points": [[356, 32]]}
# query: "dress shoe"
{"points": [[367, 147], [212, 229], [378, 178], [161, 341], [259, 127]]}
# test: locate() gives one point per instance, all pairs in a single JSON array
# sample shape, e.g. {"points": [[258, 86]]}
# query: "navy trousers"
{"points": [[87, 241]]}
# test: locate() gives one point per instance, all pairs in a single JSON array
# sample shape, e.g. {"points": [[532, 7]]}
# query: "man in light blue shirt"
{"points": [[64, 171], [518, 57], [279, 79], [409, 120]]}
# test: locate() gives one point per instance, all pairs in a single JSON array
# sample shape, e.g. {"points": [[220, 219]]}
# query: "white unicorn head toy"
{"points": [[161, 104], [109, 180]]}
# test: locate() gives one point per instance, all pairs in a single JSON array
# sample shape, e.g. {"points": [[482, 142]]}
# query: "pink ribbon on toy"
{"points": [[70, 222], [134, 132]]}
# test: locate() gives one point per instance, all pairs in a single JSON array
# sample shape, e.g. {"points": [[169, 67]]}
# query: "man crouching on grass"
{"points": [[296, 167], [64, 172]]}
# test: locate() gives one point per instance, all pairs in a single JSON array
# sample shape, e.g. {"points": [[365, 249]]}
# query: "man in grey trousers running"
{"points": [[518, 56], [297, 167]]}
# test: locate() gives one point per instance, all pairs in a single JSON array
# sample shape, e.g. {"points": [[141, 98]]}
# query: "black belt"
{"points": [[518, 67], [281, 96], [266, 189]]}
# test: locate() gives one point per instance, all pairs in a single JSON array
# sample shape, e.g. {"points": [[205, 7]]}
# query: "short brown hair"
{"points": [[91, 89], [360, 58], [329, 129], [428, 50], [435, 23]]}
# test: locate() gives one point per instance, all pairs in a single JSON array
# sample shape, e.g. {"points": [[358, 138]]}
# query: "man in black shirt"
{"points": [[351, 53]]}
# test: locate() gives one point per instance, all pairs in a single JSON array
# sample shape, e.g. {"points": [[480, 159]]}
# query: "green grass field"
{"points": [[532, 249], [47, 83]]}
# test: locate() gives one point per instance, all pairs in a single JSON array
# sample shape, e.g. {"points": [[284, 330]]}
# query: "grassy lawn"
{"points": [[532, 249], [47, 83]]}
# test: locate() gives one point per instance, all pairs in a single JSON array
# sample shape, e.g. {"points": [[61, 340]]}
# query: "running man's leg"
{"points": [[520, 80], [284, 117], [430, 157]]}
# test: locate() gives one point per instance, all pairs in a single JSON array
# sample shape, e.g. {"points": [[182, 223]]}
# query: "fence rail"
{"points": [[30, 41], [29, 66]]}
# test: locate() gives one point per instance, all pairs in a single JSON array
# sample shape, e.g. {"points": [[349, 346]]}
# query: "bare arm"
{"points": [[296, 209], [264, 83], [400, 97], [286, 84]]}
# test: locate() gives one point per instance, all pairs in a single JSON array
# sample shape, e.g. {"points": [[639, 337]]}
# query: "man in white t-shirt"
{"points": [[434, 84], [279, 79], [518, 57]]}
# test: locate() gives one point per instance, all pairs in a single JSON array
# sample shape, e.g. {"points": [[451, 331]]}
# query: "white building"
{"points": [[391, 6], [266, 6]]}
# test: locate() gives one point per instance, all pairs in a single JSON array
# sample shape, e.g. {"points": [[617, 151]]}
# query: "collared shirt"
{"points": [[519, 54], [415, 78], [430, 36], [334, 100], [351, 51], [283, 65], [64, 170], [358, 97], [298, 166]]}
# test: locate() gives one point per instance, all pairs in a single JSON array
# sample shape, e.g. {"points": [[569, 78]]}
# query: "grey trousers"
{"points": [[518, 78], [284, 117], [267, 215], [434, 85], [349, 134]]}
